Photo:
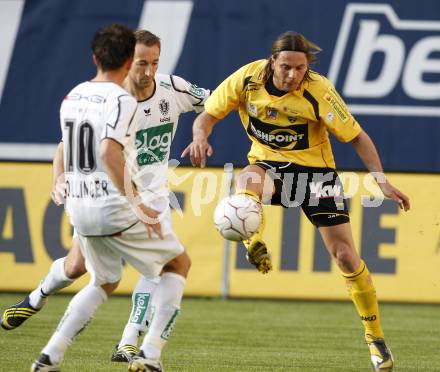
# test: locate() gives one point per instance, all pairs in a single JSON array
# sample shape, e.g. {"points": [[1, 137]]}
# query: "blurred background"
{"points": [[382, 56]]}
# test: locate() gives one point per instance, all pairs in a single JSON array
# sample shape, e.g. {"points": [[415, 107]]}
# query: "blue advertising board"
{"points": [[383, 57]]}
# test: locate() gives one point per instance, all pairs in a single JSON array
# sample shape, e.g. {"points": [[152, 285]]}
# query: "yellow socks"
{"points": [[250, 193], [258, 236], [363, 295]]}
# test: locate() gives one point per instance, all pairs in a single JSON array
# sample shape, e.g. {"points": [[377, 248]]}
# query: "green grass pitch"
{"points": [[238, 335]]}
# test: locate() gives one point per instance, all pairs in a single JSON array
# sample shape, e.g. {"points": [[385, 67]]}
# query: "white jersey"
{"points": [[91, 112], [172, 96]]}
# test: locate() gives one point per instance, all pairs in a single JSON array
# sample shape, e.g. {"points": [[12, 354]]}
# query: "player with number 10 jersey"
{"points": [[91, 112]]}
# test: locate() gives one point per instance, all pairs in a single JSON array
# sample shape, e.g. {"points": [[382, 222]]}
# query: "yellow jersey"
{"points": [[291, 128]]}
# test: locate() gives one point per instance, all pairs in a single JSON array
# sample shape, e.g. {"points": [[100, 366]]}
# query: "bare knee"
{"points": [[179, 265], [253, 178], [109, 287], [345, 256], [75, 269], [74, 264]]}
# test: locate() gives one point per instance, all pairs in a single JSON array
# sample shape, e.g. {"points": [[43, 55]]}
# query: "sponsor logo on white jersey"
{"points": [[153, 144], [80, 97], [196, 91]]}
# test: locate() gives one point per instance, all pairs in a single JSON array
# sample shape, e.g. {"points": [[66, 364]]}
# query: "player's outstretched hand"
{"points": [[395, 194], [198, 150]]}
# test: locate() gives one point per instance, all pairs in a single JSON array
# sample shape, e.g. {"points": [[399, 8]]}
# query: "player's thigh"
{"points": [[324, 203], [147, 255], [102, 262], [255, 178]]}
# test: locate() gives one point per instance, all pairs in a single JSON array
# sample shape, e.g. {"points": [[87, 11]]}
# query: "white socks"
{"points": [[55, 280], [166, 302], [79, 312], [141, 311]]}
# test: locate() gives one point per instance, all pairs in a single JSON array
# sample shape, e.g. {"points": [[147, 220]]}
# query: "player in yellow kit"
{"points": [[287, 111]]}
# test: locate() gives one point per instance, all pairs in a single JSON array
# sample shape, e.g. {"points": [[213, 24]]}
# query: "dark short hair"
{"points": [[295, 42], [147, 38], [113, 46]]}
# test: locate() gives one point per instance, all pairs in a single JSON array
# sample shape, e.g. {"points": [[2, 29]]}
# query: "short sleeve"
{"points": [[121, 119], [189, 96], [337, 117], [226, 97]]}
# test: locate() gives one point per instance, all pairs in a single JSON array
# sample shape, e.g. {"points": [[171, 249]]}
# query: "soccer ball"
{"points": [[237, 217]]}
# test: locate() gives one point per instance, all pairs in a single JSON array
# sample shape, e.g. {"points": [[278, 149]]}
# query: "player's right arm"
{"points": [[199, 148], [224, 99], [112, 156], [58, 193]]}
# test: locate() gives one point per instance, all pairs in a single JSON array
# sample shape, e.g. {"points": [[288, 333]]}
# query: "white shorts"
{"points": [[104, 254]]}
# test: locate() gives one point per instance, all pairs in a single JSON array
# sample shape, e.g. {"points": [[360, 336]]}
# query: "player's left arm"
{"points": [[367, 151], [112, 156], [337, 118]]}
